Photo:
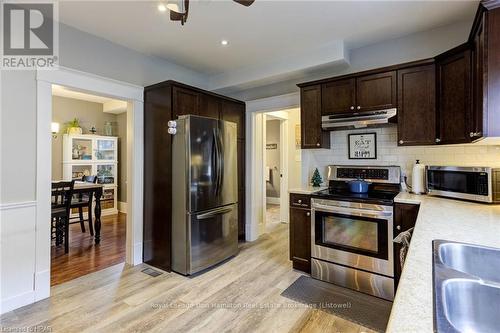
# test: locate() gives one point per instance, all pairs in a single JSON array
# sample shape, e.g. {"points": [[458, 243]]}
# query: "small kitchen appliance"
{"points": [[469, 183]]}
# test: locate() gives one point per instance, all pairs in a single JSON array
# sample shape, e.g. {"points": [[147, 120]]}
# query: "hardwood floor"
{"points": [[84, 256], [241, 295]]}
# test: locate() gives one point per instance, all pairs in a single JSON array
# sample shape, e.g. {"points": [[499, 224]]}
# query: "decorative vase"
{"points": [[108, 128], [75, 130]]}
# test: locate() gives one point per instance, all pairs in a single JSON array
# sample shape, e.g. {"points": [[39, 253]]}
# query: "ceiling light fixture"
{"points": [[179, 9], [224, 42], [162, 7], [176, 6]]}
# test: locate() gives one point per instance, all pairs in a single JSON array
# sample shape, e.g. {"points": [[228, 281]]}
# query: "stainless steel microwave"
{"points": [[469, 183]]}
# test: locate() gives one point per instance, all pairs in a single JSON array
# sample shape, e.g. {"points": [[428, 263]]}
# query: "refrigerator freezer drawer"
{"points": [[210, 238]]}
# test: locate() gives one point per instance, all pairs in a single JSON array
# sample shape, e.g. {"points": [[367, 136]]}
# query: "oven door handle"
{"points": [[352, 211]]}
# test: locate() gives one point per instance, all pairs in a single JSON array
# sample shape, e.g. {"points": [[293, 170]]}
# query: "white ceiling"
{"points": [[263, 34]]}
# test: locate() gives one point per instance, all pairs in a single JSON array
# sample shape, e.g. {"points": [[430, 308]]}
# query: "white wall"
{"points": [[388, 153]]}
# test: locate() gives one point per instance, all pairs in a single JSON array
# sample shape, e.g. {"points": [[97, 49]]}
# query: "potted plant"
{"points": [[74, 127]]}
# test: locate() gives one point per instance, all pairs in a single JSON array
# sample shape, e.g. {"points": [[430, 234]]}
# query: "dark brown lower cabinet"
{"points": [[405, 216], [300, 237]]}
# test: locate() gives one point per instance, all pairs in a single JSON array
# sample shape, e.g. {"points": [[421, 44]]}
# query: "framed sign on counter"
{"points": [[362, 146]]}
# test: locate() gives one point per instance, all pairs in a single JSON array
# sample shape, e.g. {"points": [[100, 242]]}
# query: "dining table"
{"points": [[92, 190]]}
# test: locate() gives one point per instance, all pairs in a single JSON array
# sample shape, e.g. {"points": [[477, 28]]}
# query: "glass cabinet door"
{"points": [[106, 173], [105, 150], [78, 171], [81, 149]]}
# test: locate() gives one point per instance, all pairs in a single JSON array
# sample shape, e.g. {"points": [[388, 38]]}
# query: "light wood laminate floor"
{"points": [[241, 295]]}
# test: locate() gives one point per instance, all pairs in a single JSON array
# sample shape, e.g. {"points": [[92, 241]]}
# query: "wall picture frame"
{"points": [[362, 146]]}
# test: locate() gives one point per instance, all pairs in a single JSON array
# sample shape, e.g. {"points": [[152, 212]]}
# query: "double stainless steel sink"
{"points": [[466, 287]]}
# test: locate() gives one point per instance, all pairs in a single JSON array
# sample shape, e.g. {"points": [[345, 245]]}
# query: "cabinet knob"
{"points": [[398, 227], [438, 140], [471, 134], [299, 201], [359, 107], [318, 144], [352, 107], [401, 142], [308, 214]]}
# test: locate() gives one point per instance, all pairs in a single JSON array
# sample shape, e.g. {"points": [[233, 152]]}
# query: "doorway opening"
{"points": [[277, 166], [89, 146]]}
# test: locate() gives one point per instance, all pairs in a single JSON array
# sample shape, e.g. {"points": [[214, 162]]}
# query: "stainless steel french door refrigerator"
{"points": [[204, 193]]}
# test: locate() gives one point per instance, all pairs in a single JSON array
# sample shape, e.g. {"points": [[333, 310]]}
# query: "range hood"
{"points": [[357, 120]]}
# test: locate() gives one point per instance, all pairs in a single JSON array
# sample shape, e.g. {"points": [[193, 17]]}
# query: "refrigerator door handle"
{"points": [[215, 156], [221, 161], [214, 213]]}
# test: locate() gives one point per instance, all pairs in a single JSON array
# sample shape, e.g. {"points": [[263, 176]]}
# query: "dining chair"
{"points": [[62, 192], [84, 200]]}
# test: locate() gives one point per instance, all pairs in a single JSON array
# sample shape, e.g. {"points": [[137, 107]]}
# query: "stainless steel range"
{"points": [[351, 233]]}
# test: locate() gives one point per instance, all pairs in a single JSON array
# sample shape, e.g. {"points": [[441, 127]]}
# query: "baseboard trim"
{"points": [[42, 285], [17, 301], [137, 254], [122, 207]]}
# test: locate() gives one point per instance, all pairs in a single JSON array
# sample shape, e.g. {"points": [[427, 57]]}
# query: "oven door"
{"points": [[353, 234]]}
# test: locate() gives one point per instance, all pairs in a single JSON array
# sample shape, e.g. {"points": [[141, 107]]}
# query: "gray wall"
{"points": [[90, 114]]}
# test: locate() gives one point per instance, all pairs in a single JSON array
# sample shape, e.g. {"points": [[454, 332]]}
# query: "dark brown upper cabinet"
{"points": [[479, 80], [454, 104], [185, 101], [376, 92], [310, 119], [210, 106], [417, 106], [338, 96]]}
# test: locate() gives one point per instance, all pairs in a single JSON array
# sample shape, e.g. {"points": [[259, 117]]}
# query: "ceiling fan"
{"points": [[179, 8]]}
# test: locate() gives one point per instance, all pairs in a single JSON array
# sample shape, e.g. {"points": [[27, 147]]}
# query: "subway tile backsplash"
{"points": [[388, 153]]}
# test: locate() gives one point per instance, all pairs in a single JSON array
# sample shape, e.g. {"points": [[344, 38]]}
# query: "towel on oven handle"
{"points": [[404, 239]]}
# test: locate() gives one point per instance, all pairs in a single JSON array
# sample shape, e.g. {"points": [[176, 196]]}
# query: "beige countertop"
{"points": [[438, 218], [306, 189]]}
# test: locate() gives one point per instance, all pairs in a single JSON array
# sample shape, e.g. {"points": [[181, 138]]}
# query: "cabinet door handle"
{"points": [[352, 107], [401, 142], [438, 140], [308, 214], [359, 107]]}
